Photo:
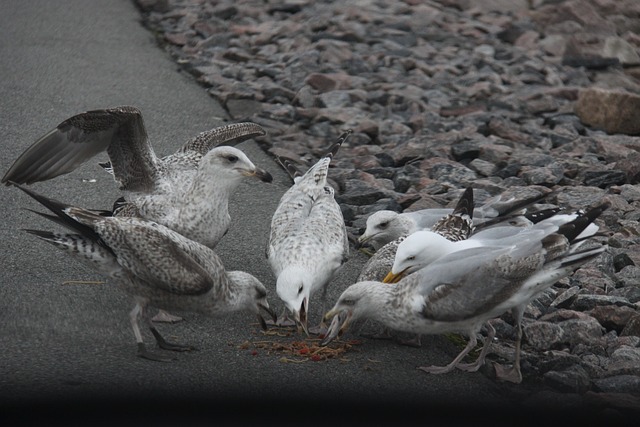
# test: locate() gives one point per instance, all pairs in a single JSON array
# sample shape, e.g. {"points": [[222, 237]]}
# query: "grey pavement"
{"points": [[68, 351]]}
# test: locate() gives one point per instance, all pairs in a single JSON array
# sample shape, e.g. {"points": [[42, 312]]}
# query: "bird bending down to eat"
{"points": [[155, 265], [308, 239], [187, 191], [462, 291], [455, 226]]}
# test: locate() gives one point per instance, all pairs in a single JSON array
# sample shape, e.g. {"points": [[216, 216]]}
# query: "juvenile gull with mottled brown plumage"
{"points": [[155, 265]]}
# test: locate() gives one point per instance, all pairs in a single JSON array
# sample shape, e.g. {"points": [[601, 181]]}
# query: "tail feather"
{"points": [[63, 218], [287, 165], [541, 215], [317, 174], [576, 259], [336, 145]]}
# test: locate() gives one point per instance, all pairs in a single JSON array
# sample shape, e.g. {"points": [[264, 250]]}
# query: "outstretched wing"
{"points": [[120, 131], [231, 134]]}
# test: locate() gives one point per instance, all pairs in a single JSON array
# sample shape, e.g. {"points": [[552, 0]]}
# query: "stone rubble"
{"points": [[498, 94]]}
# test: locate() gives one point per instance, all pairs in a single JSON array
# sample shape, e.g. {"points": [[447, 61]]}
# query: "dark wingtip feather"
{"points": [[61, 217], [336, 146], [572, 229], [536, 217], [465, 203]]}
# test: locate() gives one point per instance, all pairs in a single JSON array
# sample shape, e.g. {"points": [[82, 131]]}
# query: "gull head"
{"points": [[382, 227], [417, 251], [232, 164], [252, 296], [354, 303], [294, 291]]}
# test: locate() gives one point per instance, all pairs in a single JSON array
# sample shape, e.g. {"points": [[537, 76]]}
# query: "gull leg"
{"points": [[165, 345], [134, 317], [448, 368], [283, 319], [165, 317], [473, 367], [513, 374], [416, 341]]}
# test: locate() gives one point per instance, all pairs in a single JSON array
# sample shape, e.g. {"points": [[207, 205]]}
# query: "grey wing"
{"points": [[231, 134], [118, 130], [290, 215], [465, 284], [156, 257], [326, 217], [426, 218], [134, 164]]}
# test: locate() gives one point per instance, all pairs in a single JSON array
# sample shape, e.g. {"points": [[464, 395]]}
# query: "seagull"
{"points": [[424, 247], [308, 238], [385, 226], [187, 191], [421, 248], [153, 264], [464, 290]]}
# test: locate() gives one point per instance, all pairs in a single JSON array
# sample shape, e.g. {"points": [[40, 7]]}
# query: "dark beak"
{"points": [[338, 325], [269, 312], [263, 175]]}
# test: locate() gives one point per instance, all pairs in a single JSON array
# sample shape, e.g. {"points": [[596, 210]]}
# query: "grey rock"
{"points": [[571, 380]]}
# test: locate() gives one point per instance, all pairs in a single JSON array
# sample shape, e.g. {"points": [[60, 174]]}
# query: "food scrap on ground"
{"points": [[298, 351]]}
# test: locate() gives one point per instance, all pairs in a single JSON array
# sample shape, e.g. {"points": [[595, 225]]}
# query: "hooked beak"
{"points": [[300, 317], [268, 311], [363, 239], [393, 278], [339, 324], [261, 174]]}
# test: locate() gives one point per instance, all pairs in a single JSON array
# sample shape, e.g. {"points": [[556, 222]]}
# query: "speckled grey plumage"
{"points": [[308, 238], [152, 263], [187, 191]]}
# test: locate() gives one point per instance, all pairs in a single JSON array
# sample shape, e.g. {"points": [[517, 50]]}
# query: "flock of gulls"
{"points": [[433, 271]]}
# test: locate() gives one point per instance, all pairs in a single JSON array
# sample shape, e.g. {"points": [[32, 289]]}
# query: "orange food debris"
{"points": [[301, 350]]}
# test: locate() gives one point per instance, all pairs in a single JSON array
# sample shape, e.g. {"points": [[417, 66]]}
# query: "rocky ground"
{"points": [[505, 96]]}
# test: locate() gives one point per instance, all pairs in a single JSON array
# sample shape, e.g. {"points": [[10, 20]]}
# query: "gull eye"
{"points": [[411, 258], [232, 159], [300, 290], [348, 302], [384, 225]]}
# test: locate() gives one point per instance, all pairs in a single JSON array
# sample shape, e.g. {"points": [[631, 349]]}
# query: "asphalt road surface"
{"points": [[68, 352]]}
